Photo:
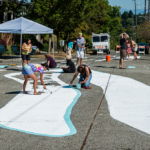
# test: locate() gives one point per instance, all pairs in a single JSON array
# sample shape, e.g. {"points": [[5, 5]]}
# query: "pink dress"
{"points": [[129, 50]]}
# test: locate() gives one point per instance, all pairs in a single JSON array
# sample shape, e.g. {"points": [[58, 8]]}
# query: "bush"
{"points": [[45, 48]]}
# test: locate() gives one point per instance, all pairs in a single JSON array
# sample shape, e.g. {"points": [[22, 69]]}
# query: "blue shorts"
{"points": [[26, 71]]}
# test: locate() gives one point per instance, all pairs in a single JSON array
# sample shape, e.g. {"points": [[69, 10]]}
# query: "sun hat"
{"points": [[80, 33], [68, 57]]}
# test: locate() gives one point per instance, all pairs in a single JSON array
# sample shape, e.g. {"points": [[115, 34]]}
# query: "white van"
{"points": [[100, 43]]}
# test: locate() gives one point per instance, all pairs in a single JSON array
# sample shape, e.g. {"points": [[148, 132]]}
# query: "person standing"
{"points": [[80, 48], [70, 47], [50, 61], [70, 68], [123, 51], [135, 48], [26, 49]]}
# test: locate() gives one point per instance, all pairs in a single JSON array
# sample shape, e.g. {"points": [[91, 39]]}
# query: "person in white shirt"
{"points": [[80, 48]]}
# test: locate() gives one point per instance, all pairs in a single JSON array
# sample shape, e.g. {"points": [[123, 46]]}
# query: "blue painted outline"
{"points": [[66, 118], [3, 66]]}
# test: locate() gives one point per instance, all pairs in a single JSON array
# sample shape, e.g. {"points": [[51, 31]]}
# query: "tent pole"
{"points": [[20, 44], [53, 46]]}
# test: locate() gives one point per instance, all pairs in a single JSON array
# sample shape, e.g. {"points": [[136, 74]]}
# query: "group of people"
{"points": [[127, 46], [29, 69]]}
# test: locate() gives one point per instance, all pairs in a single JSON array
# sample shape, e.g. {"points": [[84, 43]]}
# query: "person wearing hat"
{"points": [[28, 72], [70, 66], [80, 48]]}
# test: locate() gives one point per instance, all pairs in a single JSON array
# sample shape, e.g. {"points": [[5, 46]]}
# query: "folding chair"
{"points": [[14, 50]]}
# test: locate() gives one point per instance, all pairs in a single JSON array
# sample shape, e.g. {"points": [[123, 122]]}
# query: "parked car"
{"points": [[141, 47]]}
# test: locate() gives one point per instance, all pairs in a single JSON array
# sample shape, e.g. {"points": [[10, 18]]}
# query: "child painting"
{"points": [[129, 48]]}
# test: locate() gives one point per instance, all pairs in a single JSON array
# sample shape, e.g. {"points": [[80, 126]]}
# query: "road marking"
{"points": [[46, 114], [128, 99]]}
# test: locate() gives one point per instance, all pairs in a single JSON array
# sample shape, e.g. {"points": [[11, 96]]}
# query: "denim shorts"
{"points": [[26, 71]]}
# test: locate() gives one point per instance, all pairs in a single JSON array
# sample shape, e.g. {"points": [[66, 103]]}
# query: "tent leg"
{"points": [[20, 44], [53, 46]]}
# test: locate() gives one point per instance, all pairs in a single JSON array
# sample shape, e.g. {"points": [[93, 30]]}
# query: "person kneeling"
{"points": [[85, 76], [50, 61], [70, 66], [28, 72]]}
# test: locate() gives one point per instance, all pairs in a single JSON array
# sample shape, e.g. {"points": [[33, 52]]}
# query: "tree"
{"points": [[144, 32], [130, 15], [67, 17], [62, 16]]}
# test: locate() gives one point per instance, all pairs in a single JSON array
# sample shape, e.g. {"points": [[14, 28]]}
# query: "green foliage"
{"points": [[66, 16], [14, 7], [45, 48], [128, 17]]}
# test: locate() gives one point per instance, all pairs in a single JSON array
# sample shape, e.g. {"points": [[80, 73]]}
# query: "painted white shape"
{"points": [[2, 70], [100, 60], [128, 99], [40, 114], [131, 58], [117, 58], [19, 66]]}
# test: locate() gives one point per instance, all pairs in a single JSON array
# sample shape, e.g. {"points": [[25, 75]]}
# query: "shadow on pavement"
{"points": [[13, 69], [105, 67], [15, 92]]}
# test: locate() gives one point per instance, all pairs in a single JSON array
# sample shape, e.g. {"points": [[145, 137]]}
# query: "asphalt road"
{"points": [[105, 134]]}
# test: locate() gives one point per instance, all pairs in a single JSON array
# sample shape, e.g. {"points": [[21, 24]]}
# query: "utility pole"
{"points": [[145, 10], [135, 15], [132, 29], [148, 10]]}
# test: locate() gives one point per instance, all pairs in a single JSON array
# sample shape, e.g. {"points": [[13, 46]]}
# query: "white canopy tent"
{"points": [[25, 26]]}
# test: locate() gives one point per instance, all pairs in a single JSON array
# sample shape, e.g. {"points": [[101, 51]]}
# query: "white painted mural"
{"points": [[47, 114], [128, 99]]}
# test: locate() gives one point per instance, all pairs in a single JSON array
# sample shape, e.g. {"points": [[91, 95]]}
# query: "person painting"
{"points": [[85, 76], [123, 52], [50, 61], [70, 66], [129, 48], [70, 47], [135, 48], [26, 49], [28, 72], [80, 48]]}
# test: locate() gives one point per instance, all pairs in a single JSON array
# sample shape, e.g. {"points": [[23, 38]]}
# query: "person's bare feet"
{"points": [[36, 93], [122, 68], [25, 92]]}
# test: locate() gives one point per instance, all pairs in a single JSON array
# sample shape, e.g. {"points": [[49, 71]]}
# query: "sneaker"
{"points": [[87, 87]]}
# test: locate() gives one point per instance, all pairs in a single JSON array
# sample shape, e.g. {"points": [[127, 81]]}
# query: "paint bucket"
{"points": [[107, 57], [78, 86]]}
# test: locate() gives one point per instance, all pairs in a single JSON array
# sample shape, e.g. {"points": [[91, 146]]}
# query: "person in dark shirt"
{"points": [[123, 51], [85, 76], [70, 66], [50, 61]]}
